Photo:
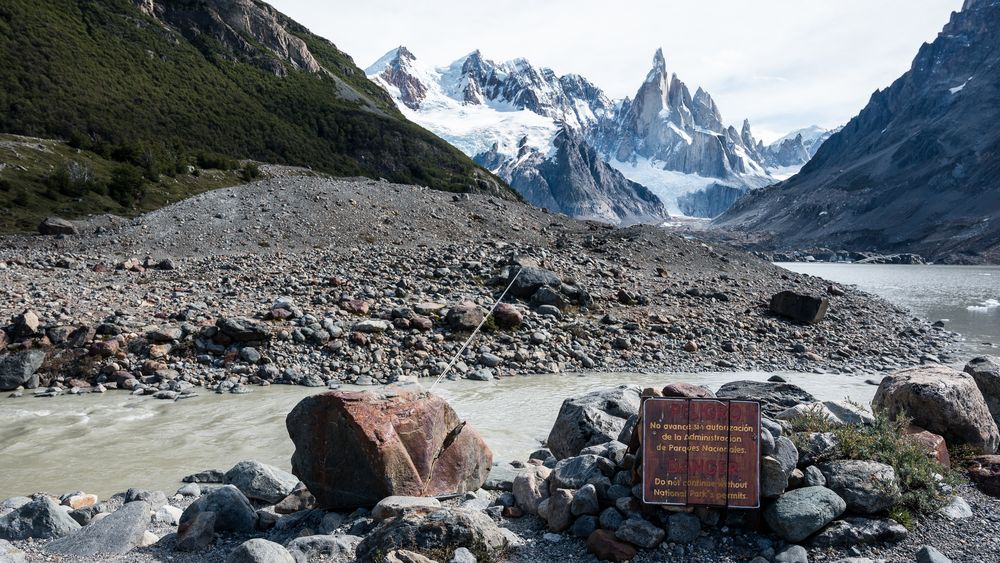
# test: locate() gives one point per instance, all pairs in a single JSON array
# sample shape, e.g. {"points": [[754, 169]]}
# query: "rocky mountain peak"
{"points": [[659, 71]]}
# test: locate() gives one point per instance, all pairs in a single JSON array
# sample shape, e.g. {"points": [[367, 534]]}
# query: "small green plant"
{"points": [[250, 172], [918, 475], [812, 419]]}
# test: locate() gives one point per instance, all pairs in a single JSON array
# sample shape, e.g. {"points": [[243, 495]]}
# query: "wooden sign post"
{"points": [[701, 452]]}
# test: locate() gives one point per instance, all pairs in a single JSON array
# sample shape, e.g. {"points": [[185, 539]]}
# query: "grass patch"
{"points": [[41, 177], [918, 475]]}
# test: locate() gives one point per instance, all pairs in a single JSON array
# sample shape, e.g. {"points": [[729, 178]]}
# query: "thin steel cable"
{"points": [[458, 354]]}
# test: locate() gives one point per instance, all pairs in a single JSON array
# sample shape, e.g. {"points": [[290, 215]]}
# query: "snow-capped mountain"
{"points": [[475, 102], [675, 143], [573, 179], [786, 156], [515, 118]]}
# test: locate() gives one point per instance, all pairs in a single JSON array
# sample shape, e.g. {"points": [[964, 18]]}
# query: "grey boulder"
{"points": [[942, 400], [19, 369], [259, 550], [595, 418], [797, 514], [117, 533], [429, 530], [261, 482], [985, 371], [774, 397], [858, 530], [41, 518], [868, 487], [233, 511]]}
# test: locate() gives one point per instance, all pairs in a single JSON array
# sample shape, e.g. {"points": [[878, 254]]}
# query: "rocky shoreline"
{"points": [[575, 499], [321, 282]]}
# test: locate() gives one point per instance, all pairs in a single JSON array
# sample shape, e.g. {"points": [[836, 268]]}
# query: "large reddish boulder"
{"points": [[942, 400], [354, 449]]}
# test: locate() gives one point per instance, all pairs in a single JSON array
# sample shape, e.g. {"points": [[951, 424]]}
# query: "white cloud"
{"points": [[784, 64]]}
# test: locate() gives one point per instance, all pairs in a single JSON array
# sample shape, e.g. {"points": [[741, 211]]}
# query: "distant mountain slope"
{"points": [[156, 82], [785, 157], [916, 170]]}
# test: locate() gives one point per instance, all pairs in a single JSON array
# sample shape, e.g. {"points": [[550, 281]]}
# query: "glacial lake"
{"points": [[106, 443]]}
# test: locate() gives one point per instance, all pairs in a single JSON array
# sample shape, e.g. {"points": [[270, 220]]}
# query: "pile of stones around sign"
{"points": [[351, 332], [582, 485]]}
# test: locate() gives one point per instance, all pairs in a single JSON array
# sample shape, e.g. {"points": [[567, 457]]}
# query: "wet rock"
{"points": [[798, 514], [858, 531], [261, 482], [942, 400], [774, 397], [119, 532], [232, 510], [410, 444], [259, 550], [18, 369], [41, 519], [591, 419], [430, 530], [798, 307], [606, 547]]}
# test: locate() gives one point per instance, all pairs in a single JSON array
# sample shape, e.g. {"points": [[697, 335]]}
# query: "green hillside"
{"points": [[161, 93]]}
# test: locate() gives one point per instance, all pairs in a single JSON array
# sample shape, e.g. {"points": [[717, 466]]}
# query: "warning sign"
{"points": [[701, 452]]}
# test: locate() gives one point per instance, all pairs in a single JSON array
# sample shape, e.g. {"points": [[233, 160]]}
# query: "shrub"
{"points": [[250, 172], [72, 179], [919, 476], [127, 185]]}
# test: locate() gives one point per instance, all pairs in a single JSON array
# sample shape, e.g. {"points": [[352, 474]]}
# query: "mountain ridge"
{"points": [[915, 170]]}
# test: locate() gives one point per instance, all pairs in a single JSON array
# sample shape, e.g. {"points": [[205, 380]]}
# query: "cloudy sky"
{"points": [[784, 64]]}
